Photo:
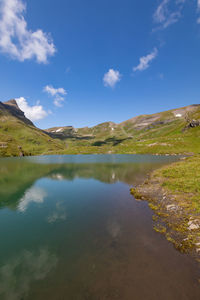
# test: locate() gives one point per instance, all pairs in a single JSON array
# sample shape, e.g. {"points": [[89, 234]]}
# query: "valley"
{"points": [[176, 131]]}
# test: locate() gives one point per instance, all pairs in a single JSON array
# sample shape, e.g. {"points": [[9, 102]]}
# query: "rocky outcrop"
{"points": [[61, 132], [12, 103], [11, 108], [194, 123]]}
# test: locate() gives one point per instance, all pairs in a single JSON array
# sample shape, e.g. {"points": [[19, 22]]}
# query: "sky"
{"points": [[84, 62]]}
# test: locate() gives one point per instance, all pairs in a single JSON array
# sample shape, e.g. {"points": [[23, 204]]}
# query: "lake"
{"points": [[69, 229]]}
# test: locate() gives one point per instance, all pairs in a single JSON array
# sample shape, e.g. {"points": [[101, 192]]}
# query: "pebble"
{"points": [[192, 226], [171, 207]]}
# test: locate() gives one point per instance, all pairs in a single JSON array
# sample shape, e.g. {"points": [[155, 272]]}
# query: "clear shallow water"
{"points": [[69, 229]]}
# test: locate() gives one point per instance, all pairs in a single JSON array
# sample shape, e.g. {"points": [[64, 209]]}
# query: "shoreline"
{"points": [[103, 153], [176, 213]]}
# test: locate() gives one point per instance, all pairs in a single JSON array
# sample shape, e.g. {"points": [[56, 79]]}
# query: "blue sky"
{"points": [[83, 62]]}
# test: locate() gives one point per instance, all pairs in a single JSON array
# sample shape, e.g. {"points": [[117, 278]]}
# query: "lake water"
{"points": [[69, 229]]}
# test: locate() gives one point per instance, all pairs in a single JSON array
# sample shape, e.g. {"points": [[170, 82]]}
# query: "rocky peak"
{"points": [[11, 107], [12, 102]]}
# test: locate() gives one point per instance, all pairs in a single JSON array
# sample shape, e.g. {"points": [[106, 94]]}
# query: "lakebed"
{"points": [[173, 193], [70, 229]]}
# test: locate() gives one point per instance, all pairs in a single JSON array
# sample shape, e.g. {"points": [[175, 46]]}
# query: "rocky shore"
{"points": [[176, 214]]}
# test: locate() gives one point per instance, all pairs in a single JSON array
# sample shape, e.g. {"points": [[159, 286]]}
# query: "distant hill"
{"points": [[11, 108], [19, 136], [175, 131]]}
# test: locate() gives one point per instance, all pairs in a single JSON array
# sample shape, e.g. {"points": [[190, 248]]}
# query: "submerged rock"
{"points": [[192, 225]]}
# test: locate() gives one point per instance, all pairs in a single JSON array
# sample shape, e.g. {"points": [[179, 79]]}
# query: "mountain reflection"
{"points": [[17, 275], [17, 177]]}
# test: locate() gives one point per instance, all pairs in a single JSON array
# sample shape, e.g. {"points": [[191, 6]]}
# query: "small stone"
{"points": [[193, 226], [171, 207]]}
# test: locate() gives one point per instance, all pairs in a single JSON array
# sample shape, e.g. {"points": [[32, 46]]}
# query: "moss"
{"points": [[155, 218], [154, 207], [185, 245], [180, 227], [160, 228], [136, 193], [162, 214], [170, 239]]}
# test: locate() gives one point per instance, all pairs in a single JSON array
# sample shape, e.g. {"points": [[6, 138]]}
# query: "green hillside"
{"points": [[18, 135], [170, 132], [175, 131]]}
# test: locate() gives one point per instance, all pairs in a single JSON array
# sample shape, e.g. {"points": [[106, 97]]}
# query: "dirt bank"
{"points": [[173, 195]]}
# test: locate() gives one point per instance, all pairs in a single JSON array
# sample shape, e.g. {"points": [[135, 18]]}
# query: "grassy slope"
{"points": [[173, 193], [166, 135], [18, 137], [183, 180], [168, 138]]}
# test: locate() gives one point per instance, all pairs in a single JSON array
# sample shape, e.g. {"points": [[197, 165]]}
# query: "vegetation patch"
{"points": [[173, 193]]}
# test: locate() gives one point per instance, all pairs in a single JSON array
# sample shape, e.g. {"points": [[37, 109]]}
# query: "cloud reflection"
{"points": [[19, 273], [34, 194], [58, 215], [114, 229], [57, 176]]}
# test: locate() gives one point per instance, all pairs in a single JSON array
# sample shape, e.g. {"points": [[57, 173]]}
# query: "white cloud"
{"points": [[34, 113], [111, 78], [198, 4], [164, 17], [58, 101], [180, 1], [198, 10], [52, 91], [56, 93], [16, 39], [160, 13], [161, 76], [146, 60], [68, 69]]}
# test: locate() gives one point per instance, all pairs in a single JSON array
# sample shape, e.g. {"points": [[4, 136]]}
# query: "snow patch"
{"points": [[59, 130]]}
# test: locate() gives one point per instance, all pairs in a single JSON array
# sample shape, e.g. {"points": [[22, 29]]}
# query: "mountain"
{"points": [[19, 136], [175, 131]]}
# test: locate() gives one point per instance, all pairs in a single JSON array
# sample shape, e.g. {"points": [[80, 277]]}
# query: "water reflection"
{"points": [[34, 194], [57, 176], [114, 229], [17, 176], [58, 215], [17, 275], [104, 239]]}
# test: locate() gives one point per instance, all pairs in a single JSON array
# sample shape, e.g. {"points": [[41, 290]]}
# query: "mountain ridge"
{"points": [[140, 121], [19, 136], [14, 109], [174, 131]]}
